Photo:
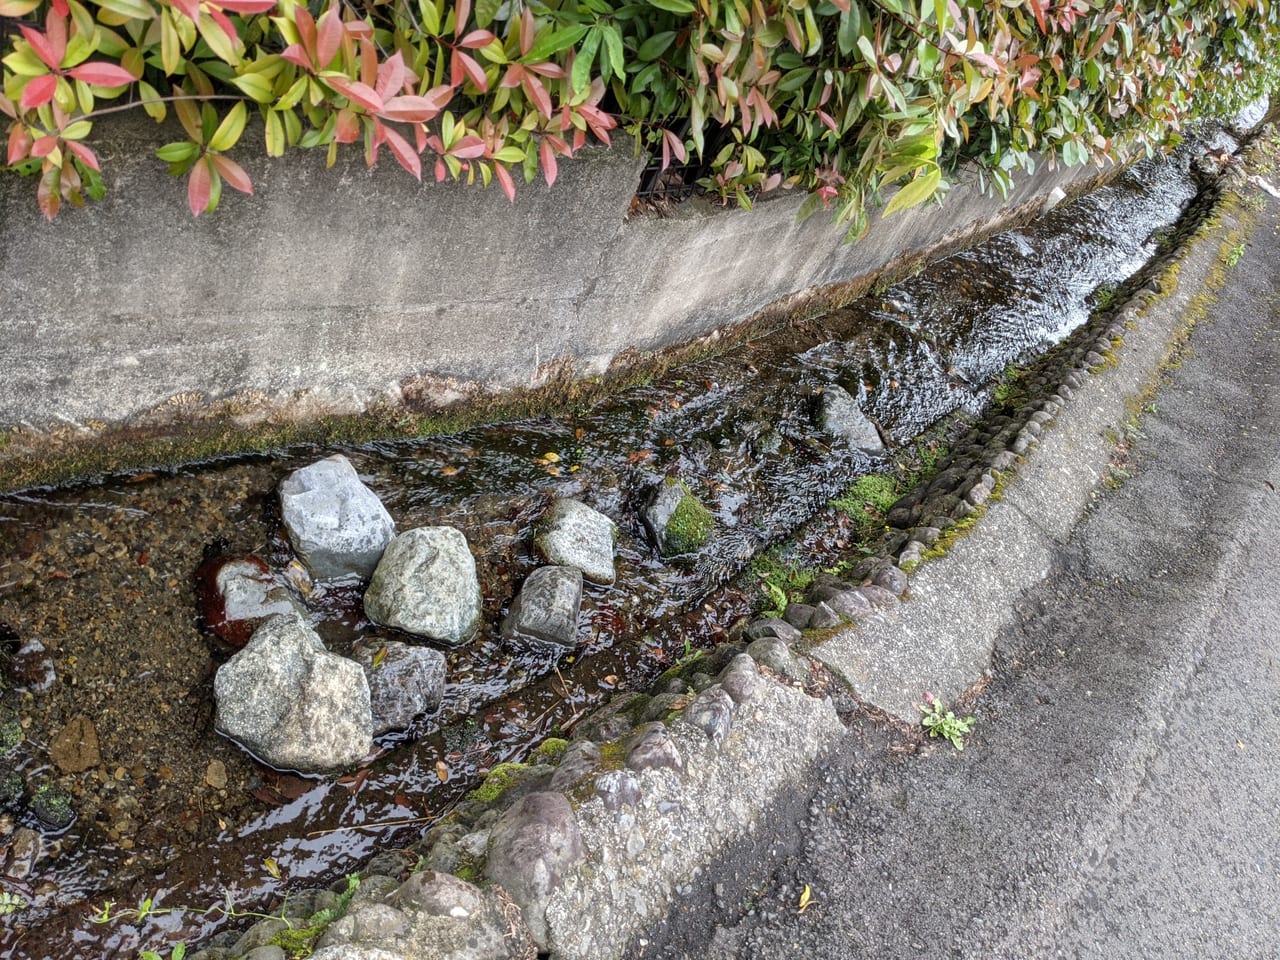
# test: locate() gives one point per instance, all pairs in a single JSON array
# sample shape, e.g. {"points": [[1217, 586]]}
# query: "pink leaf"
{"points": [[188, 8], [390, 76], [504, 181], [225, 25], [19, 144], [552, 70], [295, 54], [306, 31], [38, 91], [441, 171], [357, 92], [346, 127], [513, 76], [403, 152], [102, 74], [527, 30], [368, 62], [538, 94], [827, 121], [44, 146], [464, 13], [328, 38], [199, 187], [61, 8], [548, 157], [410, 109], [55, 28], [440, 96], [42, 47], [464, 63], [233, 173], [677, 145], [246, 6], [468, 148], [84, 154], [477, 39]]}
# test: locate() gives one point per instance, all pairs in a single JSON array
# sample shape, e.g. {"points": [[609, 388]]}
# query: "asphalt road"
{"points": [[1121, 794]]}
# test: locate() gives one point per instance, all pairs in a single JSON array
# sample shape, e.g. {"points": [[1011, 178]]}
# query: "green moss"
{"points": [[501, 778], [867, 500], [681, 670], [781, 582], [550, 750], [10, 736], [612, 755], [468, 869], [690, 525], [299, 942]]}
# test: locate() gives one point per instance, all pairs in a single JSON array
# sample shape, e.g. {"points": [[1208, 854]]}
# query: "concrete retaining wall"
{"points": [[334, 289]]}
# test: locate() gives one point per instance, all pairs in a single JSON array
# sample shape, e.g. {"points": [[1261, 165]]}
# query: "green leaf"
{"points": [[915, 192], [613, 43], [258, 87], [553, 41], [177, 152], [486, 10], [155, 110], [229, 131], [133, 9], [673, 6], [580, 76], [656, 45]]}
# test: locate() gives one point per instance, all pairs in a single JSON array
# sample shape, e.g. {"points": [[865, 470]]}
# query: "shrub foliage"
{"points": [[843, 98]]}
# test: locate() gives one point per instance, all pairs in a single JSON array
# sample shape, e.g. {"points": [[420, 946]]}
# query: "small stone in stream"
{"points": [[773, 627], [31, 668], [532, 848], [851, 604], [215, 774], [712, 713], [890, 578], [405, 681], [51, 806], [618, 789], [578, 761], [775, 655], [547, 606], [25, 850], [574, 535], [337, 525], [799, 615], [843, 418], [75, 747], [236, 594], [677, 521], [13, 788], [292, 703], [651, 748], [426, 584]]}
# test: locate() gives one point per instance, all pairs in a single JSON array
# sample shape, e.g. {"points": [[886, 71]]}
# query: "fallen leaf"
{"points": [[806, 897], [450, 471], [551, 458], [442, 771], [273, 868]]}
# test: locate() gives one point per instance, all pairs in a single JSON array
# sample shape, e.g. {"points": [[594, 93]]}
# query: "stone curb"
{"points": [[658, 785]]}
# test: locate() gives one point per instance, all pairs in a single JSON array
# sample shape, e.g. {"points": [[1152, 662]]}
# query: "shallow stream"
{"points": [[99, 618]]}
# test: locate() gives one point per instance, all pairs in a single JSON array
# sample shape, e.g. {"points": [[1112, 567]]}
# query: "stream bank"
{"points": [[772, 478]]}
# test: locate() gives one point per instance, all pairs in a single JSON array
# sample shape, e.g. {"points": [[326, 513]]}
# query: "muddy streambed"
{"points": [[108, 674]]}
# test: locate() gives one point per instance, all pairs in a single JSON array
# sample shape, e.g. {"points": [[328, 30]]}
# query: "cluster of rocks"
{"points": [[509, 872]]}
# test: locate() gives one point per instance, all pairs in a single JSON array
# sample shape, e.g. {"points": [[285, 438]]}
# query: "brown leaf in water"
{"points": [[442, 771]]}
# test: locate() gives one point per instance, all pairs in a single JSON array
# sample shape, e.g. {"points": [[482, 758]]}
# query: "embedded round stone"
{"points": [[426, 584]]}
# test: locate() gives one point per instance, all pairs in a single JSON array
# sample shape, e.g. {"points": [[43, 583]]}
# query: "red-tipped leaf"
{"points": [[199, 187], [188, 8], [246, 6], [462, 64], [391, 75], [513, 76], [410, 109], [43, 48], [295, 54], [38, 91], [404, 153], [548, 158], [232, 172], [464, 14], [328, 38], [477, 39], [358, 93], [469, 147], [537, 93], [102, 74], [19, 144], [346, 128], [504, 181], [306, 32], [84, 155]]}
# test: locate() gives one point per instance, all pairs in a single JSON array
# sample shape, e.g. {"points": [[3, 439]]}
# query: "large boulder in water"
{"points": [[337, 525], [842, 417], [574, 535], [676, 519], [292, 703], [426, 584]]}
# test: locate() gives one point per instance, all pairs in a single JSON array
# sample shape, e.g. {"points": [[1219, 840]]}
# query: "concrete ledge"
{"points": [[333, 291]]}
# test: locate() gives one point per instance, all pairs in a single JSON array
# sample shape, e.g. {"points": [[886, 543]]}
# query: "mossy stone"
{"points": [[51, 805], [501, 778], [690, 525]]}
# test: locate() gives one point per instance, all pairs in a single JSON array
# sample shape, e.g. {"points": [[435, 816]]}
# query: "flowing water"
{"points": [[97, 592]]}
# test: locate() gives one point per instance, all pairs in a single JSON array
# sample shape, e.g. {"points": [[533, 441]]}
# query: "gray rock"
{"points": [[618, 789], [574, 535], [258, 935], [799, 615], [532, 848], [740, 679], [878, 596], [547, 606], [268, 951], [405, 681], [615, 719], [712, 713], [665, 703], [248, 593], [651, 748], [890, 578], [337, 525], [426, 584], [579, 760], [772, 627], [292, 703], [843, 418], [775, 655], [824, 617]]}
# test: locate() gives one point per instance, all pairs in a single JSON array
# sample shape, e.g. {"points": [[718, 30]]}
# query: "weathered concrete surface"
{"points": [[331, 290], [1118, 797]]}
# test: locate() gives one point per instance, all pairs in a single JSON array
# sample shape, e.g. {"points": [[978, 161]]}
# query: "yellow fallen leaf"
{"points": [[273, 868], [442, 771], [551, 458], [806, 897]]}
